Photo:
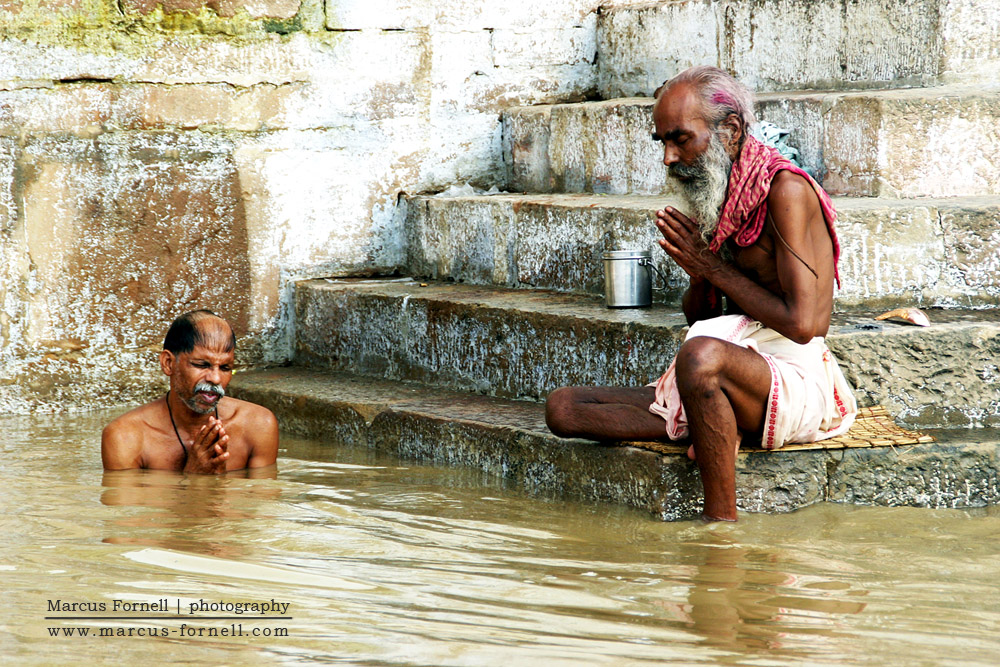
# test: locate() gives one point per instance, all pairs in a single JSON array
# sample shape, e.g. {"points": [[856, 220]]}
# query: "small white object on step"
{"points": [[911, 315]]}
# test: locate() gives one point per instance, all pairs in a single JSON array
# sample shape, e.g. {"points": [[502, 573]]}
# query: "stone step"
{"points": [[926, 252], [525, 343], [921, 142], [781, 45], [508, 439]]}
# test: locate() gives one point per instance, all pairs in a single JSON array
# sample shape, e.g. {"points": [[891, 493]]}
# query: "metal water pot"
{"points": [[628, 280]]}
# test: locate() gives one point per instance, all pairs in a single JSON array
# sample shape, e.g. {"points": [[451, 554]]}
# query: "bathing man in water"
{"points": [[758, 231], [193, 428]]}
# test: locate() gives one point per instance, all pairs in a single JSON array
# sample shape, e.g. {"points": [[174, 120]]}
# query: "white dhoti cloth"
{"points": [[809, 398]]}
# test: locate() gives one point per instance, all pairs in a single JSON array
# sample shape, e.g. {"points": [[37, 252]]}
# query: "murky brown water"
{"points": [[382, 561]]}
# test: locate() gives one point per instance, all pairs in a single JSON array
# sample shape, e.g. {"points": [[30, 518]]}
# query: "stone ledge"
{"points": [[861, 143], [525, 343], [509, 439], [778, 44], [926, 252]]}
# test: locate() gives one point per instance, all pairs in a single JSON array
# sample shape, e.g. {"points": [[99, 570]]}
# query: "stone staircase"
{"points": [[504, 304]]}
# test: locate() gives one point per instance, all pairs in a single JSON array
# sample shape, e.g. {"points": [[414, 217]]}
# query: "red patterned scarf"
{"points": [[745, 209]]}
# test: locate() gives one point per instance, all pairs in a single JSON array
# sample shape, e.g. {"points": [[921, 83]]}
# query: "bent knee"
{"points": [[700, 362], [560, 408]]}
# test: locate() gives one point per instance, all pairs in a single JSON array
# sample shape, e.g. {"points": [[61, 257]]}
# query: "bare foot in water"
{"points": [[739, 440]]}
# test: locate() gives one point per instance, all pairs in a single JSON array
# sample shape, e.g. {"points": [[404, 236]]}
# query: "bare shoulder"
{"points": [[122, 439], [260, 428], [792, 194], [136, 418], [251, 414]]}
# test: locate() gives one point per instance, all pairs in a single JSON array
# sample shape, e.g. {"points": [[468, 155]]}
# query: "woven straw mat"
{"points": [[873, 427]]}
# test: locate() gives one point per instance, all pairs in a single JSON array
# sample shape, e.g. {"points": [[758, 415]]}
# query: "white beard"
{"points": [[704, 184]]}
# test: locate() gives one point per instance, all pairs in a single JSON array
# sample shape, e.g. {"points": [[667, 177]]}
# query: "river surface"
{"points": [[382, 561]]}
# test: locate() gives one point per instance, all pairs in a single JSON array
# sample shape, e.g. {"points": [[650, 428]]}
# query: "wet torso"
{"points": [[161, 449]]}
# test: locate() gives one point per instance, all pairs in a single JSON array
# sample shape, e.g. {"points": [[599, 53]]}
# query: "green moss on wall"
{"points": [[283, 26], [99, 26]]}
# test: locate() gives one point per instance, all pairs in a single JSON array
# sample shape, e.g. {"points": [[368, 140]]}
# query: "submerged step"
{"points": [[508, 439], [922, 142], [779, 45], [525, 343], [926, 252]]}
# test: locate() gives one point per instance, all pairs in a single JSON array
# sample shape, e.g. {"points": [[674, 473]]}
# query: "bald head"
{"points": [[199, 327]]}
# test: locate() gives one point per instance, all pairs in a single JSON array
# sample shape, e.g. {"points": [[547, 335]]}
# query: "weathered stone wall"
{"points": [[796, 44], [162, 156]]}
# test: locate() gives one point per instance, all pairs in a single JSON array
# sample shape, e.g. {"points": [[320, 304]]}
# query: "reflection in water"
{"points": [[736, 604], [382, 561], [190, 504]]}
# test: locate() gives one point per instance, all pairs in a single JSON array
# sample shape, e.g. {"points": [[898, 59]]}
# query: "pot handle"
{"points": [[649, 263]]}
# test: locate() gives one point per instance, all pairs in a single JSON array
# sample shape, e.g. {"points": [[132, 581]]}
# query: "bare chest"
{"points": [[163, 451], [758, 263]]}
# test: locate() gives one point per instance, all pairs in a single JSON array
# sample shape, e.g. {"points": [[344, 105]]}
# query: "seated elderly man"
{"points": [[193, 428], [760, 233]]}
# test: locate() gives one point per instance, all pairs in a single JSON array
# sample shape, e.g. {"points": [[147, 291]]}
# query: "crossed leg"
{"points": [[724, 389], [604, 413]]}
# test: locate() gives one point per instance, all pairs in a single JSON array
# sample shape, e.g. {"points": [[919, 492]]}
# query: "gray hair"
{"points": [[721, 94]]}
